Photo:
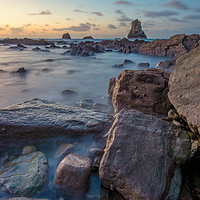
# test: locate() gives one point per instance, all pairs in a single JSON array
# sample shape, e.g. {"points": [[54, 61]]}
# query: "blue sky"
{"points": [[101, 19]]}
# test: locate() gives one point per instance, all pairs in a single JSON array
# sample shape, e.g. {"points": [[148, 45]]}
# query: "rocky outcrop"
{"points": [[136, 30], [25, 175], [143, 90], [45, 117], [167, 65], [176, 46], [141, 155], [184, 87], [25, 41], [88, 37], [66, 36], [73, 174]]}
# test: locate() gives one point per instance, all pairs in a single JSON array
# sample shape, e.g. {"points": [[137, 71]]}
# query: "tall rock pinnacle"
{"points": [[136, 30]]}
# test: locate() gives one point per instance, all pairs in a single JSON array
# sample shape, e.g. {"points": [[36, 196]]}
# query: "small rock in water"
{"points": [[21, 46], [25, 175], [127, 61], [49, 60], [20, 70], [118, 65], [68, 92], [28, 149], [143, 64], [73, 173]]}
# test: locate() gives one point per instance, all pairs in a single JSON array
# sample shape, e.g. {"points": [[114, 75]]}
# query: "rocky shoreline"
{"points": [[144, 150]]}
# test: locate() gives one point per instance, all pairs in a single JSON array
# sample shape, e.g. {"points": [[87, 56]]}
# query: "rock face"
{"points": [[88, 37], [66, 36], [25, 175], [141, 154], [143, 90], [136, 30], [184, 87], [73, 174], [42, 116]]}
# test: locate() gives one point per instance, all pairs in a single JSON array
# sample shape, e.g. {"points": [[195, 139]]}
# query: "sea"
{"points": [[48, 75]]}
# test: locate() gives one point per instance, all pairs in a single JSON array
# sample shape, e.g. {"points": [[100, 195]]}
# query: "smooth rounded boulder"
{"points": [[73, 173]]}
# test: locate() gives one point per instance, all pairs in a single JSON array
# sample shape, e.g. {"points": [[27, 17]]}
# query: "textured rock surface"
{"points": [[44, 116], [143, 90], [184, 87], [136, 30], [73, 173], [166, 65], [66, 36], [140, 156], [25, 175]]}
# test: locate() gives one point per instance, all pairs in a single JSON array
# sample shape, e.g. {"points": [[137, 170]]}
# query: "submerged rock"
{"points": [[68, 92], [136, 30], [73, 173], [184, 88], [143, 64], [25, 175], [45, 118], [141, 154], [143, 90]]}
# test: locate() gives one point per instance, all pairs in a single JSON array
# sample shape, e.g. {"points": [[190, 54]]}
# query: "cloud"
{"points": [[27, 25], [46, 12], [80, 11], [87, 23], [96, 28], [165, 13], [124, 18], [127, 3], [47, 25], [68, 19], [97, 13], [120, 12], [16, 31], [44, 30], [2, 29], [111, 26], [123, 24], [148, 25], [176, 4], [177, 20], [7, 25], [80, 28], [192, 17]]}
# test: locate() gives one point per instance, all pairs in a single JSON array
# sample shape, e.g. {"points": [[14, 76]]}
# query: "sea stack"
{"points": [[136, 30], [66, 36]]}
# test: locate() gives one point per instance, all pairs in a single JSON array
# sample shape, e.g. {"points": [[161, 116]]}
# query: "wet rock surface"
{"points": [[73, 174], [141, 154], [184, 85], [42, 116], [25, 175], [143, 90]]}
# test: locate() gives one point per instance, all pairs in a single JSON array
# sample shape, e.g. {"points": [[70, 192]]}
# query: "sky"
{"points": [[98, 18]]}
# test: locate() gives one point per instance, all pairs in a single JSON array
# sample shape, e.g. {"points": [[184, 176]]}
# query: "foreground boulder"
{"points": [[143, 90], [184, 87], [73, 174], [136, 30], [141, 155], [25, 175], [45, 117]]}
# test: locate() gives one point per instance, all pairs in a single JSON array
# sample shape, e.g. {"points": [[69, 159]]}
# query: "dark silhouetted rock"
{"points": [[136, 30], [21, 46], [88, 37], [140, 157], [143, 90], [21, 71], [184, 85], [118, 65], [128, 61], [73, 173], [68, 92], [40, 50], [46, 118], [66, 36], [25, 175], [25, 41], [143, 64]]}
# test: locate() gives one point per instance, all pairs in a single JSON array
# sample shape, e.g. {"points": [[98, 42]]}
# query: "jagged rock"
{"points": [[88, 37], [66, 36], [184, 85], [73, 173], [21, 70], [43, 118], [141, 154], [21, 46], [143, 90], [25, 175], [136, 30], [166, 65], [128, 61]]}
